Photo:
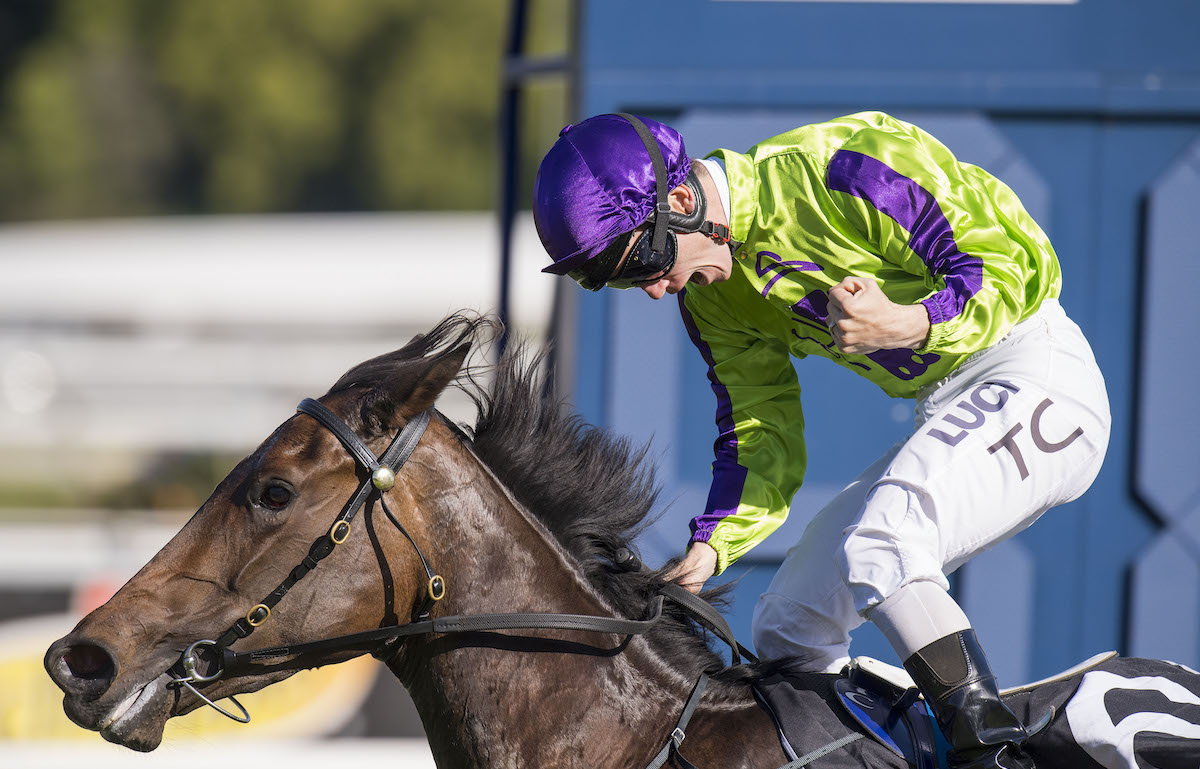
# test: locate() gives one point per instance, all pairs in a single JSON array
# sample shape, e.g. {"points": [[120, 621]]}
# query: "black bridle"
{"points": [[382, 477], [383, 469]]}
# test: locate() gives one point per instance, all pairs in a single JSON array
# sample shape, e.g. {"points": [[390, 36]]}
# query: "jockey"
{"points": [[862, 240]]}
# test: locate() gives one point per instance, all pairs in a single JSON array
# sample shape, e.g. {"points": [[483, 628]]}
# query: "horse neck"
{"points": [[491, 700]]}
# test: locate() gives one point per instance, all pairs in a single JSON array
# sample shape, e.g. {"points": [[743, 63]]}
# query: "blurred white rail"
{"points": [[205, 332], [102, 545]]}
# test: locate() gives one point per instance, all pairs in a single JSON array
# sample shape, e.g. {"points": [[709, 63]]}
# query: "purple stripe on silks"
{"points": [[916, 210], [729, 477], [781, 267]]}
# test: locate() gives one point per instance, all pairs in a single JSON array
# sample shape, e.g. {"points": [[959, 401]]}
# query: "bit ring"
{"points": [[188, 661]]}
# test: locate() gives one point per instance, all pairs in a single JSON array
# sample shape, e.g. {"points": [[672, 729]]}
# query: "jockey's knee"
{"points": [[894, 542], [819, 642]]}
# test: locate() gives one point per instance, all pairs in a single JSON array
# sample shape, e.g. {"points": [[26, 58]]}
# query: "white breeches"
{"points": [[1017, 429]]}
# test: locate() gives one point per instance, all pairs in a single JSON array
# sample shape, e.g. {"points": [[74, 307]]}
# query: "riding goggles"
{"points": [[642, 266]]}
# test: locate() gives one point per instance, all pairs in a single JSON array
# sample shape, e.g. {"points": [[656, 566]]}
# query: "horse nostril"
{"points": [[89, 663], [81, 669]]}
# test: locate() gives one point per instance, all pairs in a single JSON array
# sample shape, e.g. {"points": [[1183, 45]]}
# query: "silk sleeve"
{"points": [[986, 263], [759, 451]]}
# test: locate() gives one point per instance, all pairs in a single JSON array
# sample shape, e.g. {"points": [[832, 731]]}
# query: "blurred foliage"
{"points": [[171, 480], [142, 107], [165, 481]]}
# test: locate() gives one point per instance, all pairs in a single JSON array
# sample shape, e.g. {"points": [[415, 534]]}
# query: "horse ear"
{"points": [[422, 387]]}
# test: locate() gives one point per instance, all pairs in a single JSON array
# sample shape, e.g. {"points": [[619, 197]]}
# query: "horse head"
{"points": [[119, 668], [520, 525]]}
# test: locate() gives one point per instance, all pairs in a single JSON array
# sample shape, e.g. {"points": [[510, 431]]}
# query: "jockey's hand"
{"points": [[862, 319], [696, 567]]}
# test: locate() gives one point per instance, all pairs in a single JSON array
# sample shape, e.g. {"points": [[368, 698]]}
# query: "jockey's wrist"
{"points": [[719, 549], [917, 325]]}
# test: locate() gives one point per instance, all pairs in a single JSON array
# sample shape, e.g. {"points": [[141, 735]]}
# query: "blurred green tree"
{"points": [[142, 107]]}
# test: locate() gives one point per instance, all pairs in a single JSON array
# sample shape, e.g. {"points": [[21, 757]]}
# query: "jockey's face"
{"points": [[701, 260]]}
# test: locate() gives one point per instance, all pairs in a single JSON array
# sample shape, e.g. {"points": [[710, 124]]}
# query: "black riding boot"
{"points": [[954, 676]]}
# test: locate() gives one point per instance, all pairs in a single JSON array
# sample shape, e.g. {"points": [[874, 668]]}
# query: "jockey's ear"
{"points": [[682, 199]]}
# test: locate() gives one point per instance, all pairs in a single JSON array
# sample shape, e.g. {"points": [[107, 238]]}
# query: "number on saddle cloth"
{"points": [[1115, 713], [877, 696]]}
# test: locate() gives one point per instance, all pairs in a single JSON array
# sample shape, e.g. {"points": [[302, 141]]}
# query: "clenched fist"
{"points": [[862, 319]]}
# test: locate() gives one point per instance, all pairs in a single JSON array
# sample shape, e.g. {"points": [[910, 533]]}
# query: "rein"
{"points": [[186, 672]]}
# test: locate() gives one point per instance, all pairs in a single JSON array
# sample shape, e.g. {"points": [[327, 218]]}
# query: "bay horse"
{"points": [[531, 514]]}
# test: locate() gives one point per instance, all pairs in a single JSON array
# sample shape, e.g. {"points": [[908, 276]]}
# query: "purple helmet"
{"points": [[596, 183]]}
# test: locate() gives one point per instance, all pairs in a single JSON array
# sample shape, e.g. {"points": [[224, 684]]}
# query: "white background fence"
{"points": [[121, 340]]}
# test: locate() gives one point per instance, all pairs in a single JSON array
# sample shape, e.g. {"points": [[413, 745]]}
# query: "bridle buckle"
{"points": [[339, 532], [436, 588]]}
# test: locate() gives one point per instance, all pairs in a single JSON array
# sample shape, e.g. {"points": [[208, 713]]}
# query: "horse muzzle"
{"points": [[130, 714]]}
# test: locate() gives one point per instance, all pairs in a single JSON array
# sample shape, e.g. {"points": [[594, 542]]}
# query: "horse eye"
{"points": [[276, 496]]}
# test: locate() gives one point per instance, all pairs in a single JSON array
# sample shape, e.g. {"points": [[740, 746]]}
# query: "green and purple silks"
{"points": [[865, 195]]}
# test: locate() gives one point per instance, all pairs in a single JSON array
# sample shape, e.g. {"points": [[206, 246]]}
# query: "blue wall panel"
{"points": [[1089, 55], [1091, 112]]}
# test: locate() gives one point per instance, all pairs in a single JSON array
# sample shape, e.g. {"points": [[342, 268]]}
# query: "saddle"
{"points": [[882, 701], [880, 698]]}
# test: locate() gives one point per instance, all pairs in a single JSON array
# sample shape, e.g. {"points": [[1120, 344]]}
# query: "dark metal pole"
{"points": [[510, 105], [517, 70]]}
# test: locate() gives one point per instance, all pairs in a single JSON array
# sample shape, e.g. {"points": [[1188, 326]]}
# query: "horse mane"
{"points": [[590, 488]]}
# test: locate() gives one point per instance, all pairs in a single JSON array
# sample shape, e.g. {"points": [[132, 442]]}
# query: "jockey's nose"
{"points": [[657, 289], [81, 668]]}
